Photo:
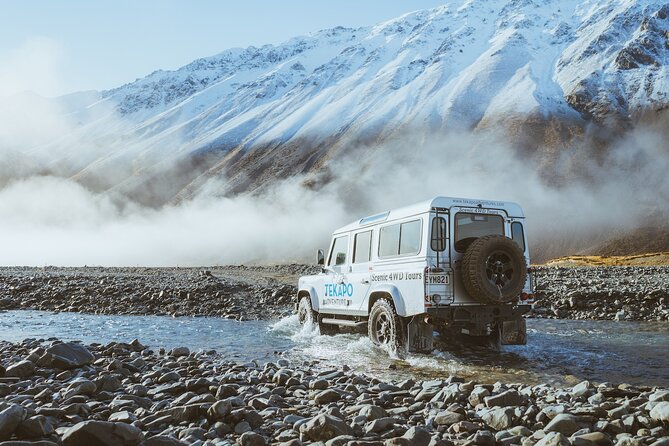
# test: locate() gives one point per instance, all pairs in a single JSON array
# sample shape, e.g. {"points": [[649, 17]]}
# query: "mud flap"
{"points": [[514, 332], [420, 334]]}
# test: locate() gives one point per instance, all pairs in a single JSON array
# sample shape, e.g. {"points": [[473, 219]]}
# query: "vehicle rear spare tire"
{"points": [[494, 269]]}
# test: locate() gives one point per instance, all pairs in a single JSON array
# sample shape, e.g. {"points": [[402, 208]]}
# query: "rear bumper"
{"points": [[477, 314]]}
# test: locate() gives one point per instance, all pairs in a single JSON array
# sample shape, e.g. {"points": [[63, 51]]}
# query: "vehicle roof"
{"points": [[512, 209]]}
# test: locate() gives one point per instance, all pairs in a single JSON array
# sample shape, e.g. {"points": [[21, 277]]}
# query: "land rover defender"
{"points": [[454, 266]]}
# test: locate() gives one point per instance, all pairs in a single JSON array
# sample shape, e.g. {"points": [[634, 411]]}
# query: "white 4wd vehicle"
{"points": [[457, 266]]}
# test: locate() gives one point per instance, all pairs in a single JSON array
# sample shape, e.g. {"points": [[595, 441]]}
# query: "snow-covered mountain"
{"points": [[279, 110]]}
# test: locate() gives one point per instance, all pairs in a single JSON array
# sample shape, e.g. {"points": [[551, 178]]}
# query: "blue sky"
{"points": [[56, 47]]}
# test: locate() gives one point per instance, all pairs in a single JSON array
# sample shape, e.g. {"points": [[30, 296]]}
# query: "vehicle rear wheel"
{"points": [[305, 313], [494, 269], [386, 328]]}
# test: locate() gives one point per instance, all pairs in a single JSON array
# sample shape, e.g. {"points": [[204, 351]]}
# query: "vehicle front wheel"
{"points": [[385, 327], [305, 313]]}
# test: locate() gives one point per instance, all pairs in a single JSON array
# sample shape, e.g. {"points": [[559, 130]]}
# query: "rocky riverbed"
{"points": [[235, 292], [54, 393], [267, 292], [604, 292]]}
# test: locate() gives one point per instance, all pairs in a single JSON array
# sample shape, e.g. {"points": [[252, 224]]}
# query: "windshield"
{"points": [[469, 227]]}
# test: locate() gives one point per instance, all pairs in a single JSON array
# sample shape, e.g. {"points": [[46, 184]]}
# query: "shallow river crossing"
{"points": [[561, 352]]}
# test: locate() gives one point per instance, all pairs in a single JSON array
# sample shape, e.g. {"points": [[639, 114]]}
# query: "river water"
{"points": [[561, 352]]}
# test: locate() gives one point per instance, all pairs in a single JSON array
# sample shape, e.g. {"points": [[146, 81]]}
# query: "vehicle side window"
{"points": [[338, 251], [410, 237], [400, 239], [362, 247], [438, 239], [517, 234], [389, 240]]}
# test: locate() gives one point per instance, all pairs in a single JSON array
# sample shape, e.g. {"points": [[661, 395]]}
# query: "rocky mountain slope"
{"points": [[543, 69]]}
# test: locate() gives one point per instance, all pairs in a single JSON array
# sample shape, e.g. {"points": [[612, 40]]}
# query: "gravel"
{"points": [[610, 292], [268, 292], [121, 397]]}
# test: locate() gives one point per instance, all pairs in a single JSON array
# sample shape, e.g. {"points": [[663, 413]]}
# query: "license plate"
{"points": [[438, 279]]}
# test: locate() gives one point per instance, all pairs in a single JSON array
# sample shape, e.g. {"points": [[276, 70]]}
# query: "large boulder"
{"points": [[324, 427], [66, 355], [10, 418], [102, 433]]}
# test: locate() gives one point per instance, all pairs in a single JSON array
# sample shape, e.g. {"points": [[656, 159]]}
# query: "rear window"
{"points": [[400, 239], [469, 227]]}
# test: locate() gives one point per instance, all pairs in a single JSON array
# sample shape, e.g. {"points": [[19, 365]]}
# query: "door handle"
{"points": [[365, 281]]}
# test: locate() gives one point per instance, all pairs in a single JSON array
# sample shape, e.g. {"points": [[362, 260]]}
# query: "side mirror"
{"points": [[321, 257]]}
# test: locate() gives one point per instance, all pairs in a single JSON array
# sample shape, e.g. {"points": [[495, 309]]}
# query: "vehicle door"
{"points": [[337, 293], [361, 265]]}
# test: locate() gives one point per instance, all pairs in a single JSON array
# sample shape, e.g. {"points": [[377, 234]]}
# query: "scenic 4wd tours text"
{"points": [[396, 276]]}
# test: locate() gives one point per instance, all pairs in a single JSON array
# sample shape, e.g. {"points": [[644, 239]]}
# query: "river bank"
{"points": [[125, 393], [636, 293]]}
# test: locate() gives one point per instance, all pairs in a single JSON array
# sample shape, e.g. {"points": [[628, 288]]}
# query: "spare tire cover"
{"points": [[494, 269]]}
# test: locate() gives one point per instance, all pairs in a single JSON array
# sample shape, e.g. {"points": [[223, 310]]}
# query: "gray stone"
{"points": [[10, 418], [21, 369], [499, 419], [418, 436], [219, 410], [484, 438], [252, 439], [80, 386], [380, 425], [504, 399], [180, 351], [582, 389], [660, 395], [102, 433], [327, 396], [123, 416], [563, 423], [324, 427], [35, 427], [553, 439], [371, 412], [162, 440], [66, 355], [660, 412], [591, 439], [477, 395], [664, 441], [242, 427], [446, 418]]}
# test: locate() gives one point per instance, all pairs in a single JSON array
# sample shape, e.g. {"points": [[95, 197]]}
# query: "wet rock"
{"points": [[66, 355], [102, 433]]}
